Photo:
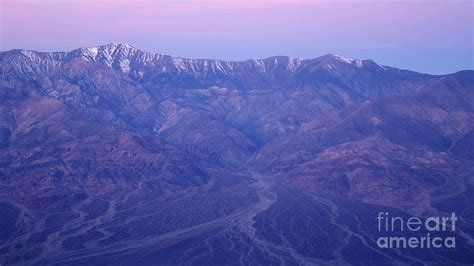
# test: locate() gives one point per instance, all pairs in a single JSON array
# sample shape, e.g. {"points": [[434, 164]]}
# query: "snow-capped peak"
{"points": [[118, 54], [127, 59], [331, 58], [344, 59], [108, 50]]}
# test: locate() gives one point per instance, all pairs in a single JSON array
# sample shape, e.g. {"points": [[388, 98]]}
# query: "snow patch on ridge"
{"points": [[344, 59]]}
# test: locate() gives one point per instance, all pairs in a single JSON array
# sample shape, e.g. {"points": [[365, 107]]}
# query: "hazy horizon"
{"points": [[438, 41]]}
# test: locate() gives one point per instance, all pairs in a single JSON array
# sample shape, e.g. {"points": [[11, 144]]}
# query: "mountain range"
{"points": [[114, 155]]}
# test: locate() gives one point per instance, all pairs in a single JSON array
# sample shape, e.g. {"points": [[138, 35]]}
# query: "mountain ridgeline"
{"points": [[111, 154]]}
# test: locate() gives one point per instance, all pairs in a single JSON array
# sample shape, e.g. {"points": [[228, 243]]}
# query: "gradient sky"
{"points": [[426, 36]]}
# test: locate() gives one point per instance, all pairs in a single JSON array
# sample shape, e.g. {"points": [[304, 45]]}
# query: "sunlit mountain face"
{"points": [[111, 155]]}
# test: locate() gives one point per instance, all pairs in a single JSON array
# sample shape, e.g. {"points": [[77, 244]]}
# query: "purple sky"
{"points": [[423, 35]]}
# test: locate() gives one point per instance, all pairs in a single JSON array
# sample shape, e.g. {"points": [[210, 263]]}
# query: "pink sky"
{"points": [[428, 36]]}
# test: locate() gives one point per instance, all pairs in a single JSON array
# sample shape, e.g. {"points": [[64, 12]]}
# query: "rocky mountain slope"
{"points": [[111, 154]]}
